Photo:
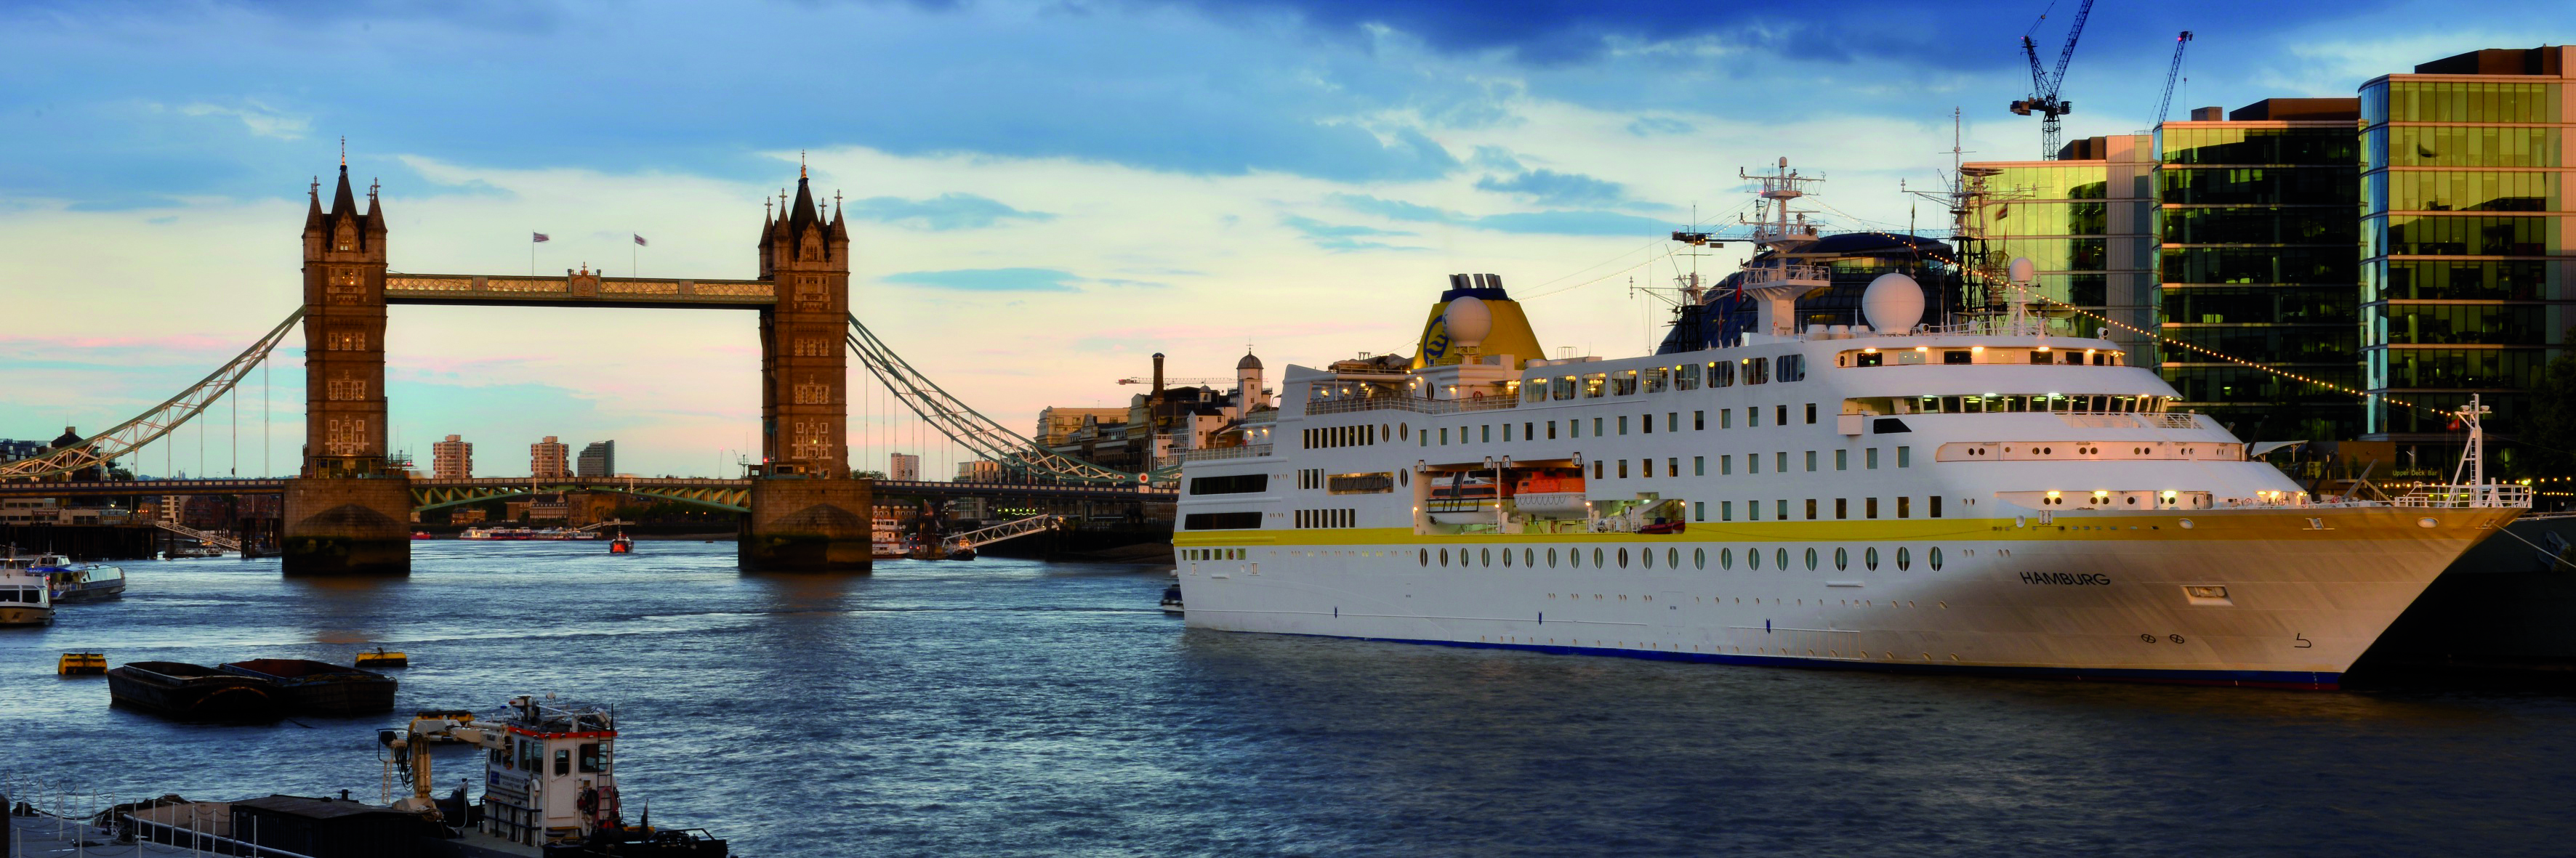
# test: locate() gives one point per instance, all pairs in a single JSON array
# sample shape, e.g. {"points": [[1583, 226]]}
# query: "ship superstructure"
{"points": [[1895, 494]]}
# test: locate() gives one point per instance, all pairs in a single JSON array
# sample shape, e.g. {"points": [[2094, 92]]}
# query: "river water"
{"points": [[1004, 707]]}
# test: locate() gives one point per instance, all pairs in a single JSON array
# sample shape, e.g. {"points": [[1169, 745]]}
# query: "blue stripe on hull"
{"points": [[2299, 680]]}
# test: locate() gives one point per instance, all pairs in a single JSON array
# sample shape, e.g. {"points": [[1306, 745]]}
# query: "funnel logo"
{"points": [[1435, 340]]}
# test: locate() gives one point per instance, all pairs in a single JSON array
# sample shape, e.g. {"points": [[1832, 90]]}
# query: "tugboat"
{"points": [[319, 688], [192, 692], [621, 545], [549, 785], [25, 599]]}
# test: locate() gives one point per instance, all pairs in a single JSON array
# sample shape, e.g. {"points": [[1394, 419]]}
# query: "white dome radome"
{"points": [[1468, 321], [1893, 303], [2023, 270]]}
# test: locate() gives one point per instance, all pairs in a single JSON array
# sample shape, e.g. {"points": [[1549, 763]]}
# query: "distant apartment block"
{"points": [[980, 471], [904, 466], [452, 459], [598, 460], [550, 459]]}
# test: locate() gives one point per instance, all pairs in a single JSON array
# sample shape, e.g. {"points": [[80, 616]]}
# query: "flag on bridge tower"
{"points": [[535, 237], [640, 242]]}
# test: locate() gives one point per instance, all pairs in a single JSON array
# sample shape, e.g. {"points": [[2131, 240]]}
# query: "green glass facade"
{"points": [[2255, 232], [2467, 280], [2083, 224]]}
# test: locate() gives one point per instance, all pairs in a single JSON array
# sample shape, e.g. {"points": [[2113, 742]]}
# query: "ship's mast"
{"points": [[1778, 282]]}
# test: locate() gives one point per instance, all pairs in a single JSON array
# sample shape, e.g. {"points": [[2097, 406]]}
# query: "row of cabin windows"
{"points": [[1672, 465], [1602, 558], [1307, 518], [2055, 402], [529, 756], [2067, 357], [1338, 436], [1901, 506], [1603, 426], [1211, 554], [1657, 379]]}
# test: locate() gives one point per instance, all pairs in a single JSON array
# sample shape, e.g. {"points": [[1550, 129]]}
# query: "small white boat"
{"points": [[25, 600], [69, 582]]}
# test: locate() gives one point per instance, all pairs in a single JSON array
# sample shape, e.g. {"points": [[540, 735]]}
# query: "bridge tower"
{"points": [[807, 513], [346, 510]]}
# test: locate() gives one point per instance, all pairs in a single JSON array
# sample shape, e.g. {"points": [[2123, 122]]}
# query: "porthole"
{"points": [[1673, 558], [1507, 558], [1385, 432], [1484, 557], [1551, 558], [1574, 558], [1780, 558], [1426, 557], [1646, 556], [1726, 558], [1404, 477], [1444, 557], [1904, 559], [1623, 558], [1529, 558], [1811, 560], [1842, 559], [1596, 558], [1699, 558], [1752, 558], [1404, 432], [1933, 557], [1869, 559]]}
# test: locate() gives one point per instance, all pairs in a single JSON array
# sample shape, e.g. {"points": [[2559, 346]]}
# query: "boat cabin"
{"points": [[550, 774]]}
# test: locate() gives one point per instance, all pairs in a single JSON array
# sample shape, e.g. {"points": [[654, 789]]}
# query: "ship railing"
{"points": [[1246, 451], [199, 840], [1755, 278], [2490, 496]]}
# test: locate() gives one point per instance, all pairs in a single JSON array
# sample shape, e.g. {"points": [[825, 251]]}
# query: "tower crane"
{"points": [[2043, 98], [2164, 106]]}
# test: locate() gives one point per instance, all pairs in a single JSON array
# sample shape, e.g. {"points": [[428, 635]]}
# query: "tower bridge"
{"points": [[348, 508]]}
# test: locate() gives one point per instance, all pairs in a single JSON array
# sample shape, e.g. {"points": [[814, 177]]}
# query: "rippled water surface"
{"points": [[1004, 707]]}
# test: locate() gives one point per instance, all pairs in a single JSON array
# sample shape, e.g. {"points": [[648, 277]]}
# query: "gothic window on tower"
{"points": [[345, 436], [810, 393], [341, 286], [809, 288], [812, 442], [345, 388], [346, 341], [813, 347]]}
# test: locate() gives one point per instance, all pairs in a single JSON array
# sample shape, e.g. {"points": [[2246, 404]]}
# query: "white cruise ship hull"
{"points": [[2074, 599]]}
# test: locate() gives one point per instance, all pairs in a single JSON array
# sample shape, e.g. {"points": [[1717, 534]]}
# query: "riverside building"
{"points": [[452, 459], [2083, 220], [2255, 233], [2466, 228]]}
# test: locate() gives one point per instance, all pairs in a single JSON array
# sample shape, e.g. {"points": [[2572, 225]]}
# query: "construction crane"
{"points": [[2043, 98], [1179, 382], [2164, 106]]}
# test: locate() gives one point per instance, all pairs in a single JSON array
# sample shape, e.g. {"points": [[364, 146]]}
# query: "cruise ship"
{"points": [[1905, 494]]}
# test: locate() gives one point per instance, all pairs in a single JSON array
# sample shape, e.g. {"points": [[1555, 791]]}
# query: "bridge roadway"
{"points": [[710, 492]]}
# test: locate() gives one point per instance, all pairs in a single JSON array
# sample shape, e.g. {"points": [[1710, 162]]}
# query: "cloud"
{"points": [[1341, 237], [261, 119], [1495, 158], [1577, 222], [941, 213], [1649, 126], [1557, 189], [990, 280]]}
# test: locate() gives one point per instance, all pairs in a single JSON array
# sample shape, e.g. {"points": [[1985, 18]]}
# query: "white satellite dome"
{"points": [[2023, 270], [1893, 303], [1468, 321]]}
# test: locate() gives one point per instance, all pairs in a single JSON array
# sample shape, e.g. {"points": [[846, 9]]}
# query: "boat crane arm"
{"points": [[412, 750]]}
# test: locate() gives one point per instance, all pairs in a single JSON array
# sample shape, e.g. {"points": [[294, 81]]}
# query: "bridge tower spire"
{"points": [[347, 510], [807, 513]]}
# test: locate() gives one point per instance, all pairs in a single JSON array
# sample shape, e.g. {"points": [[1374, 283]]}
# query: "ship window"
{"points": [[1904, 506], [1721, 374], [1868, 359], [1793, 368], [1753, 417], [1699, 558], [1623, 561], [1726, 465], [1551, 558], [1534, 391], [1752, 558], [1656, 378], [1904, 559], [1623, 469], [1597, 467], [1623, 383], [1869, 559], [1726, 418], [1811, 509], [1526, 434], [1699, 466], [1811, 560], [1842, 460], [1904, 457], [1596, 427], [1686, 377], [1699, 420], [1757, 370], [1842, 559], [1404, 432], [1594, 385], [1726, 558], [1424, 556], [1699, 510], [1444, 557], [1623, 424], [1507, 558], [1780, 508], [1551, 430], [1444, 436], [1811, 413], [1957, 357], [1780, 415], [1780, 558], [1869, 508], [1726, 510], [2041, 357], [1842, 508], [1932, 506], [590, 759], [1573, 558], [1933, 558], [1484, 557], [1484, 433], [1564, 388], [1811, 461], [1596, 557], [1780, 462], [563, 761]]}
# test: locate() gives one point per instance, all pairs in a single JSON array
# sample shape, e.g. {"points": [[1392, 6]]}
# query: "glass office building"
{"points": [[2467, 278], [2255, 233], [2083, 221]]}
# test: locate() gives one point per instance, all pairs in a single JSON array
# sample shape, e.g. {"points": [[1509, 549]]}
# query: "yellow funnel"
{"points": [[1511, 334]]}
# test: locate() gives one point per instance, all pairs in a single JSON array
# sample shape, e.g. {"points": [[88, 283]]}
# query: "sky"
{"points": [[1041, 194]]}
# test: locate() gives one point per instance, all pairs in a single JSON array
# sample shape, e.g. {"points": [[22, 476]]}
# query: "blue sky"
{"points": [[1043, 192]]}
